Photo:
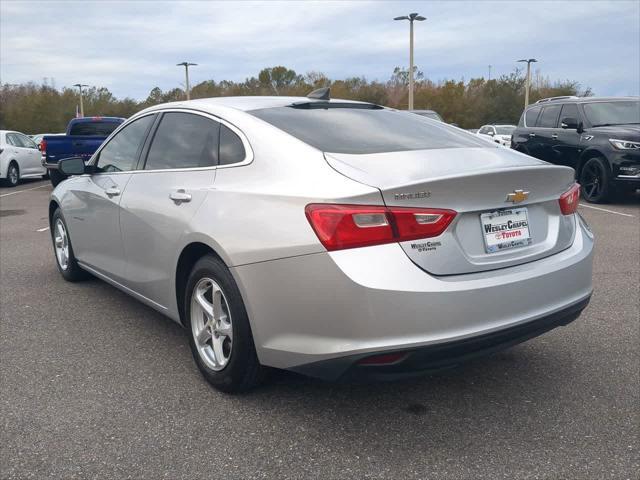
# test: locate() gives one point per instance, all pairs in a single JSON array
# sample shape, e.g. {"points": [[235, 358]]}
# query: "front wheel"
{"points": [[65, 258], [595, 180], [220, 335]]}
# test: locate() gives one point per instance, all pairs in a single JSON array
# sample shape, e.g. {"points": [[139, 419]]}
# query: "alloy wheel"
{"points": [[13, 174], [61, 243], [592, 180], [211, 324]]}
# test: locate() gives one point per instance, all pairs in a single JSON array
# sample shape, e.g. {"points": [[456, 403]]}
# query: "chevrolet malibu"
{"points": [[333, 238]]}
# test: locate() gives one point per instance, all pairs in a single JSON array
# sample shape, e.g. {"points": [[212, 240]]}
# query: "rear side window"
{"points": [[184, 140], [350, 128], [549, 117], [102, 129], [531, 116], [121, 153], [231, 147]]}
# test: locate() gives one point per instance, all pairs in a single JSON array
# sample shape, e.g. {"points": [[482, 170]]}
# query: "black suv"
{"points": [[598, 137]]}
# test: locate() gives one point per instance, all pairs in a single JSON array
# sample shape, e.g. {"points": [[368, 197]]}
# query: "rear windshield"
{"points": [[362, 130], [612, 113], [102, 129]]}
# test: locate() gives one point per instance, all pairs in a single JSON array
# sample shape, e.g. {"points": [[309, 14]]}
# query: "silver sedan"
{"points": [[334, 238]]}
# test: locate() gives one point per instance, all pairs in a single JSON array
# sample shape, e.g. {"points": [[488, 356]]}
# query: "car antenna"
{"points": [[321, 94]]}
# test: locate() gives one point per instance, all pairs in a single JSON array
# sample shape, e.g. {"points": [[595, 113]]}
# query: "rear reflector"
{"points": [[569, 200], [384, 359], [350, 226]]}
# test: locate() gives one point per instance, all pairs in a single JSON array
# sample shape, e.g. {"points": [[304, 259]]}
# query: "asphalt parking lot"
{"points": [[97, 385]]}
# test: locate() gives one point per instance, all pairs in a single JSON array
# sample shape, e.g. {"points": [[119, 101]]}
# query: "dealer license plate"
{"points": [[505, 229]]}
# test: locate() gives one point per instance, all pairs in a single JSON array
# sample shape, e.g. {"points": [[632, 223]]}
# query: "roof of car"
{"points": [[247, 103], [572, 99]]}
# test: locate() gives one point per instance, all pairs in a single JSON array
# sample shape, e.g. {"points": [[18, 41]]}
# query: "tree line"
{"points": [[41, 108]]}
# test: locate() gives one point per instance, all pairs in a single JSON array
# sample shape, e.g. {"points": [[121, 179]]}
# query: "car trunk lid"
{"points": [[475, 182]]}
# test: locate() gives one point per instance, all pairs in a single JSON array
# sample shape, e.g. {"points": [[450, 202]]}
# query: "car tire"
{"points": [[13, 175], [595, 180], [63, 250], [232, 366]]}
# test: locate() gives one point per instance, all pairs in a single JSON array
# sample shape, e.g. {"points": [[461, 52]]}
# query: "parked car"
{"points": [[19, 158], [598, 137], [38, 137], [500, 134], [333, 238], [82, 138], [433, 115]]}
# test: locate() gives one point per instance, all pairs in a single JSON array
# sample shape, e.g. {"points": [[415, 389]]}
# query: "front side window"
{"points": [[549, 116], [602, 114], [531, 116], [356, 129], [569, 110], [184, 140], [121, 153]]}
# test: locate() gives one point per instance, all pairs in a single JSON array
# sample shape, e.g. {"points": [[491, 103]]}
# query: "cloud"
{"points": [[130, 47]]}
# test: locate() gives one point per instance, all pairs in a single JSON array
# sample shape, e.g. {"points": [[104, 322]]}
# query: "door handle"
{"points": [[180, 196], [554, 136], [112, 192], [532, 135]]}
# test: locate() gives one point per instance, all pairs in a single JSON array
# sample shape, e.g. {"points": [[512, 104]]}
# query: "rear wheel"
{"points": [[595, 180], [220, 335], [13, 175]]}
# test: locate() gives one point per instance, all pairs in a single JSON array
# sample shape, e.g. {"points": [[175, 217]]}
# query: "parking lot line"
{"points": [[42, 229], [606, 210], [25, 190]]}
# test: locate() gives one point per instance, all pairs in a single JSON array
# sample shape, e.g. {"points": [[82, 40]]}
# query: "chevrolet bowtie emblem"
{"points": [[517, 196]]}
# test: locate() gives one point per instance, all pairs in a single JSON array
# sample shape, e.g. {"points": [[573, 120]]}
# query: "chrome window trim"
{"points": [[249, 156]]}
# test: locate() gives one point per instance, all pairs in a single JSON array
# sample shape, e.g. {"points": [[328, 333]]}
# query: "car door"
{"points": [[545, 132], [30, 157], [92, 205], [566, 141], [161, 199]]}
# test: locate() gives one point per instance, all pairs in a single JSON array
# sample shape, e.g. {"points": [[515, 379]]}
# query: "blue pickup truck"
{"points": [[82, 139]]}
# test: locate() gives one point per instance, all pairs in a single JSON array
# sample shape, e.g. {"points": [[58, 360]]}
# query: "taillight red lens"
{"points": [[43, 146], [569, 200], [350, 226], [414, 223]]}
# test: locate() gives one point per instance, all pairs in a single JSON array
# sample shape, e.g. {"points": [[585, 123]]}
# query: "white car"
{"points": [[500, 134], [19, 158]]}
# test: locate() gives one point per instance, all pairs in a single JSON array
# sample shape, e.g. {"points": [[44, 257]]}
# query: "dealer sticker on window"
{"points": [[505, 229]]}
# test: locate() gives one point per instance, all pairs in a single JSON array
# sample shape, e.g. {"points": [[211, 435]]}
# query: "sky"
{"points": [[132, 46]]}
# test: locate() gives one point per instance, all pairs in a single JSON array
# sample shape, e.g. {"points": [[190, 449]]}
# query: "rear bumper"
{"points": [[433, 358], [49, 166], [320, 313]]}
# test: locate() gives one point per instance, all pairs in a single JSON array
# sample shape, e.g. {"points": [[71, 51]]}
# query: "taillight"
{"points": [[350, 226], [43, 146], [569, 200]]}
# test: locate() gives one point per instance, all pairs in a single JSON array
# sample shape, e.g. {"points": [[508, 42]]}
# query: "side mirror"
{"points": [[569, 123], [71, 166]]}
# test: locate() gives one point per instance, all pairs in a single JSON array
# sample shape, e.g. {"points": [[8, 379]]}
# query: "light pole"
{"points": [[528, 80], [186, 66], [411, 17], [80, 85], [490, 72]]}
